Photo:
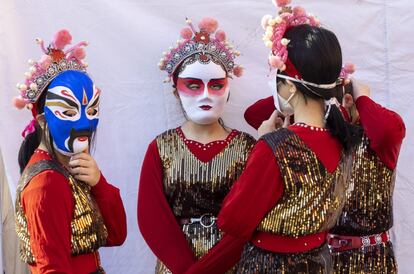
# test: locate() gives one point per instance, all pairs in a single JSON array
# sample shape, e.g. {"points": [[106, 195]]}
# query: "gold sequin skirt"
{"points": [[200, 239], [378, 259], [259, 261]]}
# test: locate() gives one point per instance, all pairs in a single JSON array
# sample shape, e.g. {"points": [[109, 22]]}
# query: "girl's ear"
{"points": [[292, 87]]}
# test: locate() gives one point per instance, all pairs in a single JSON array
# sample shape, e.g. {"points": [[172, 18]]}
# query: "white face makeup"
{"points": [[203, 90]]}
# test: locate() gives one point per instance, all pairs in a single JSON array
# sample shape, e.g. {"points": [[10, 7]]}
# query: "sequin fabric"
{"points": [[378, 259], [259, 261], [367, 211], [194, 188], [313, 197], [87, 226]]}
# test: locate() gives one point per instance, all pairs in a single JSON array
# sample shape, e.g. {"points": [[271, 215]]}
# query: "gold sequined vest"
{"points": [[313, 197], [87, 226], [368, 205], [193, 187]]}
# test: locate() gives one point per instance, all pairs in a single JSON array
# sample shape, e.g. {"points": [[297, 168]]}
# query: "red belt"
{"points": [[339, 243]]}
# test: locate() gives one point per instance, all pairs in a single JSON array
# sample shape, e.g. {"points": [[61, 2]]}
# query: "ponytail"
{"points": [[349, 135], [32, 140]]}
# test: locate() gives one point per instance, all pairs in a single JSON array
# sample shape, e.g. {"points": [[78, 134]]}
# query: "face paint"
{"points": [[203, 90], [72, 111]]}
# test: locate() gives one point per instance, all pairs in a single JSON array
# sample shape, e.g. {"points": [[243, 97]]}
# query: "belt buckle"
{"points": [[378, 239], [207, 217], [365, 241]]}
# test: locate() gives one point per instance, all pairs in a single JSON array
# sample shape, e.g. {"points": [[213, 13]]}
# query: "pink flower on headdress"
{"points": [[346, 72], [221, 35], [79, 53], [208, 25], [19, 102], [299, 11], [281, 3], [62, 38], [45, 61], [265, 20], [238, 71], [186, 33], [276, 62], [202, 37]]}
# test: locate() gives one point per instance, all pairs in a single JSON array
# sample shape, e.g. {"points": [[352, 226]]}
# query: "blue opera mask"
{"points": [[72, 111]]}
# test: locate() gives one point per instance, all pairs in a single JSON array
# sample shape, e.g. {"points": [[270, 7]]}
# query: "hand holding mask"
{"points": [[84, 168]]}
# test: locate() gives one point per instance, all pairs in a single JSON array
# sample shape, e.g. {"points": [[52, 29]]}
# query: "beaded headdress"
{"points": [[275, 29], [54, 61], [208, 44]]}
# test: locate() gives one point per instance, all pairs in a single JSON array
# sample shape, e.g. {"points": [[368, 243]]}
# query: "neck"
{"points": [[204, 133], [310, 112], [62, 159]]}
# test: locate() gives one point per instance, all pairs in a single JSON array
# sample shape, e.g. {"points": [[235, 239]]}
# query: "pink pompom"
{"points": [[62, 38], [265, 20], [299, 11], [186, 33], [281, 3], [208, 25], [79, 53], [45, 61], [18, 102], [349, 68], [221, 35], [275, 62], [238, 71]]}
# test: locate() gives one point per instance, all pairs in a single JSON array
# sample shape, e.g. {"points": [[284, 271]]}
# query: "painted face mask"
{"points": [[72, 111], [281, 104], [203, 90]]}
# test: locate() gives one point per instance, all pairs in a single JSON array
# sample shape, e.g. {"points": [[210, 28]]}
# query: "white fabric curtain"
{"points": [[127, 38]]}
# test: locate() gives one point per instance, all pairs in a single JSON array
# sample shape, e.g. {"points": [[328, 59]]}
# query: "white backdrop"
{"points": [[126, 40]]}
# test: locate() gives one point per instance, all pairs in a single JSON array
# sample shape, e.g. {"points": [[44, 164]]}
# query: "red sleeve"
{"points": [[156, 220], [259, 112], [384, 128], [112, 209], [221, 257], [48, 206], [250, 199], [258, 189]]}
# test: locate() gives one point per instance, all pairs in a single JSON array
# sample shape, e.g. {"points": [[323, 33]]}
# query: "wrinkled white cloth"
{"points": [[9, 259], [126, 39]]}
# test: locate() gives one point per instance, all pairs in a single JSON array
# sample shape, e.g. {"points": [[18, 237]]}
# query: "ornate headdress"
{"points": [[207, 44], [54, 61], [275, 29]]}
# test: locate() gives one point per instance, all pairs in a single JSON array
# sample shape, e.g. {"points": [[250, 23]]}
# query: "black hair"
{"points": [[32, 140], [316, 54]]}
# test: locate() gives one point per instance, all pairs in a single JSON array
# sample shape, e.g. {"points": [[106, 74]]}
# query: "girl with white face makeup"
{"points": [[188, 170]]}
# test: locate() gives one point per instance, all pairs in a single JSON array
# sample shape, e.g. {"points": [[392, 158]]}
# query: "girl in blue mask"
{"points": [[65, 208]]}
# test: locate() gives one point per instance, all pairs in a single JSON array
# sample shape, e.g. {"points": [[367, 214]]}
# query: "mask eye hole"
{"points": [[70, 113], [216, 86], [193, 86], [92, 111]]}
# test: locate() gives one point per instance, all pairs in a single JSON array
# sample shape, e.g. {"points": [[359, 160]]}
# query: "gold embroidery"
{"points": [[312, 198], [194, 188], [87, 226]]}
